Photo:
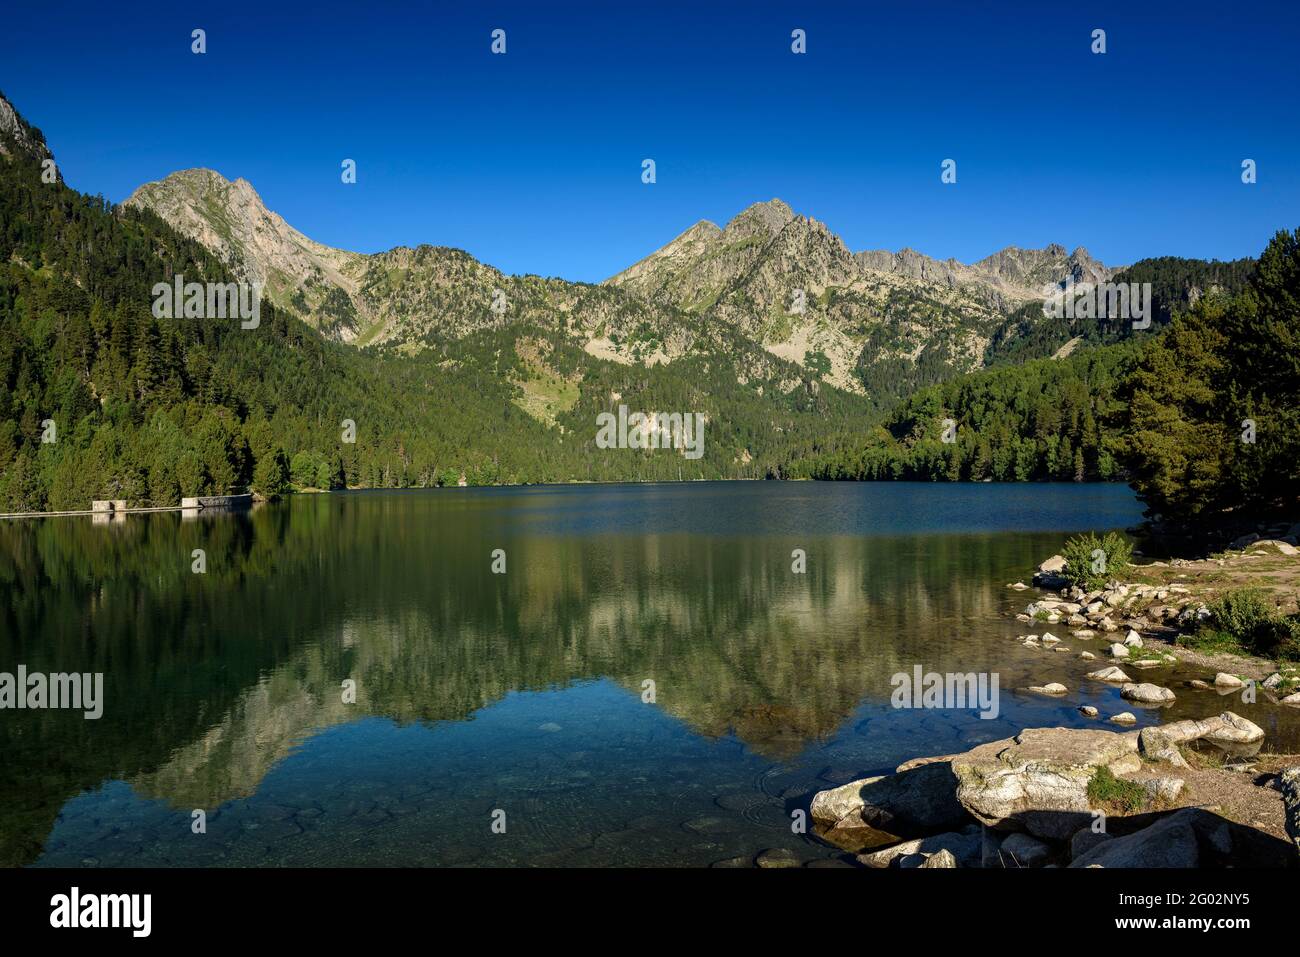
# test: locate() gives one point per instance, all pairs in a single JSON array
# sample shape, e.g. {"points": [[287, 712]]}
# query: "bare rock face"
{"points": [[1038, 780], [16, 134]]}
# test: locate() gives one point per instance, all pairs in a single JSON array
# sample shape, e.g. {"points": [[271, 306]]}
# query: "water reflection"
{"points": [[225, 689]]}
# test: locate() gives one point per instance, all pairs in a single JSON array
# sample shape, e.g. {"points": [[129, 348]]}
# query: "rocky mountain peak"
{"points": [[761, 219], [16, 134]]}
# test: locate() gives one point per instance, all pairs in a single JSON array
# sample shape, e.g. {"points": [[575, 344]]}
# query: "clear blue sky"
{"points": [[532, 161]]}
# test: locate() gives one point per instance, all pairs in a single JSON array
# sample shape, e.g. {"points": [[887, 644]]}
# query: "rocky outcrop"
{"points": [[1038, 780], [17, 135], [913, 803]]}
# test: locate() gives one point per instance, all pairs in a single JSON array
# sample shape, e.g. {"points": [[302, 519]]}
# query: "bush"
{"points": [[1091, 560], [1251, 619]]}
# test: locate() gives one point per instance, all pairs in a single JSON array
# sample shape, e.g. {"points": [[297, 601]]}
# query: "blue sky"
{"points": [[532, 161]]}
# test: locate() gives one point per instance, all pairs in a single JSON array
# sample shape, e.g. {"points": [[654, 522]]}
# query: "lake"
{"points": [[647, 683]]}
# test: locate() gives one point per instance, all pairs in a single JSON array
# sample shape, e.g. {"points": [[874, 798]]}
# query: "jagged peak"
{"points": [[18, 133], [770, 217]]}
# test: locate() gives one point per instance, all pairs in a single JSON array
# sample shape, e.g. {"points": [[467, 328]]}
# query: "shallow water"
{"points": [[520, 698]]}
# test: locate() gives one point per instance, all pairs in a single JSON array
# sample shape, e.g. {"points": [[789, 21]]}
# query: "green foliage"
{"points": [[1045, 420], [1091, 560], [1221, 367], [271, 477], [1249, 619], [1175, 285]]}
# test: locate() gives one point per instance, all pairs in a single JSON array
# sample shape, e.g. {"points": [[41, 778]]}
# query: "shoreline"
{"points": [[1194, 793]]}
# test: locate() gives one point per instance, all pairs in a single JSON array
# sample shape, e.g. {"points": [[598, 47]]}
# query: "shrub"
{"points": [[1091, 560], [1251, 619]]}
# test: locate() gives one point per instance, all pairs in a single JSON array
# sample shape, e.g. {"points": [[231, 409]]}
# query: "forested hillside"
{"points": [[100, 399]]}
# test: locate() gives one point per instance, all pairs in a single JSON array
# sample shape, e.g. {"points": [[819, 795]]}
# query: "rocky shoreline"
{"points": [[1190, 793]]}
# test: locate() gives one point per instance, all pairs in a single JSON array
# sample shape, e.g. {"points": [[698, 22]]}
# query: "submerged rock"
{"points": [[1054, 688], [777, 857]]}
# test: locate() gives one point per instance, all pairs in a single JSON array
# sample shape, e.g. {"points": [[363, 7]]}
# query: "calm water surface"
{"points": [[522, 692]]}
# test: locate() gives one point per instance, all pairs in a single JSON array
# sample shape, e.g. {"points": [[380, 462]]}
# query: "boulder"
{"points": [[1085, 839], [1229, 728], [1170, 842], [1038, 780], [1164, 789], [1133, 639], [1109, 674], [1021, 850], [1056, 564], [1146, 694], [1226, 728], [942, 858], [1088, 711], [913, 803], [964, 846], [1124, 717], [1226, 681], [1118, 651]]}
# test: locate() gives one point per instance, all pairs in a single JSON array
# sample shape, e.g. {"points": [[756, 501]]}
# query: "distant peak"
{"points": [[770, 216]]}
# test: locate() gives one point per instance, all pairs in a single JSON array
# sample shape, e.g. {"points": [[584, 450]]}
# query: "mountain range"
{"points": [[777, 279], [807, 359]]}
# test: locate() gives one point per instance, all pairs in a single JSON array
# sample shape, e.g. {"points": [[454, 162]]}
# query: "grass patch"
{"points": [[1211, 641], [1116, 794]]}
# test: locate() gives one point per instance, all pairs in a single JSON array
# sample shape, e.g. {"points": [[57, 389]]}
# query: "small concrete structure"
{"points": [[99, 506], [215, 501]]}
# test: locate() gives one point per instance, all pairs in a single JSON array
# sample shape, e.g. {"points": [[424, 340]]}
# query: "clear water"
{"points": [[485, 697]]}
